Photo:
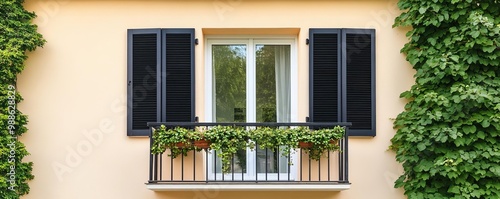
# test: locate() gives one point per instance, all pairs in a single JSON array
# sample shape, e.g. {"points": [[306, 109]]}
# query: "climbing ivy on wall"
{"points": [[17, 36], [448, 136]]}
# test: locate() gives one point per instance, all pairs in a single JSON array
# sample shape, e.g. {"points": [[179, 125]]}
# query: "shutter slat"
{"points": [[359, 80]]}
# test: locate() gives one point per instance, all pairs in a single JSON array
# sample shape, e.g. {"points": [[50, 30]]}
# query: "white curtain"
{"points": [[282, 67]]}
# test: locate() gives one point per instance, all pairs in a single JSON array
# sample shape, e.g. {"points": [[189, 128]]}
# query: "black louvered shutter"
{"points": [[324, 75], [178, 69], [342, 78], [359, 92], [143, 88]]}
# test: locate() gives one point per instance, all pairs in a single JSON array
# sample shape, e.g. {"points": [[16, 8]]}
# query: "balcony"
{"points": [[251, 170]]}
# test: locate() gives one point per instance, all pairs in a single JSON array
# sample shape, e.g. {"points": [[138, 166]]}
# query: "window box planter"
{"points": [[202, 144]]}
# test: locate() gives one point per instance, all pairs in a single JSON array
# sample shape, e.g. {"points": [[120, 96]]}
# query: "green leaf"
{"points": [[406, 94], [400, 182], [422, 10], [421, 146], [459, 141], [489, 49], [485, 123], [432, 41], [453, 134], [475, 34], [413, 61], [454, 189], [481, 135], [469, 129]]}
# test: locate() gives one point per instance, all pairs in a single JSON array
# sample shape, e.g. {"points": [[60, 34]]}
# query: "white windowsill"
{"points": [[248, 187]]}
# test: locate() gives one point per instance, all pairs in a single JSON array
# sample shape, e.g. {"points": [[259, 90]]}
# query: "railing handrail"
{"points": [[272, 124]]}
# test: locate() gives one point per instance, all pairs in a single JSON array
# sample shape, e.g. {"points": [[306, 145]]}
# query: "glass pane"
{"points": [[229, 65], [272, 98], [273, 83], [271, 161], [239, 164], [267, 160]]}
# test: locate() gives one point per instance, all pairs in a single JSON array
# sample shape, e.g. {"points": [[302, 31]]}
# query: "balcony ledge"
{"points": [[241, 186]]}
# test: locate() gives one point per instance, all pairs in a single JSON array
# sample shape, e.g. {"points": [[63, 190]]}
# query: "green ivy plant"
{"points": [[227, 141], [17, 36], [319, 141], [178, 140], [447, 137], [279, 139]]}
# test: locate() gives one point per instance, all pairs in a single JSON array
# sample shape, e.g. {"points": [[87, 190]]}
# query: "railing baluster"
{"points": [[288, 164], [266, 162], [151, 157], [346, 151], [206, 165], [171, 167], [156, 168], [182, 167], [256, 165], [319, 168], [242, 173], [194, 165], [277, 162], [232, 167], [309, 158], [301, 165], [341, 161], [328, 167]]}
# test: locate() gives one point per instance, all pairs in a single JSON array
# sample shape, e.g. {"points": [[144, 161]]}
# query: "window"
{"points": [[160, 78], [342, 78], [250, 80]]}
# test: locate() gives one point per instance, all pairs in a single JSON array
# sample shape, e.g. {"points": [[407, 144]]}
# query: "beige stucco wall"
{"points": [[75, 90]]}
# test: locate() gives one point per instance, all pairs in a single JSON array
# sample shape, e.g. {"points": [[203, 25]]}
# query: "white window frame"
{"points": [[251, 42]]}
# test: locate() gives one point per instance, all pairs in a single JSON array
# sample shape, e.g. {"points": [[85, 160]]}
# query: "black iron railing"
{"points": [[202, 166]]}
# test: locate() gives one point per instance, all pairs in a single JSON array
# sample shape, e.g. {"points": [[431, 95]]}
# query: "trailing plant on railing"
{"points": [[229, 140], [316, 142], [17, 36], [282, 139], [448, 136], [313, 142], [178, 140]]}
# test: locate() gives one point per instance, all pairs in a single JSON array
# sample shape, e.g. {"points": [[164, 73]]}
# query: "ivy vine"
{"points": [[17, 36], [448, 136]]}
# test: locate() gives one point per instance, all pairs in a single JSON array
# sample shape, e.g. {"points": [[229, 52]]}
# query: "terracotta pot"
{"points": [[180, 145], [305, 145], [202, 144]]}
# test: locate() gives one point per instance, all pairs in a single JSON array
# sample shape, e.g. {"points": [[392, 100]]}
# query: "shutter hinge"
{"points": [[196, 41], [308, 119], [196, 119], [129, 82], [307, 41]]}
